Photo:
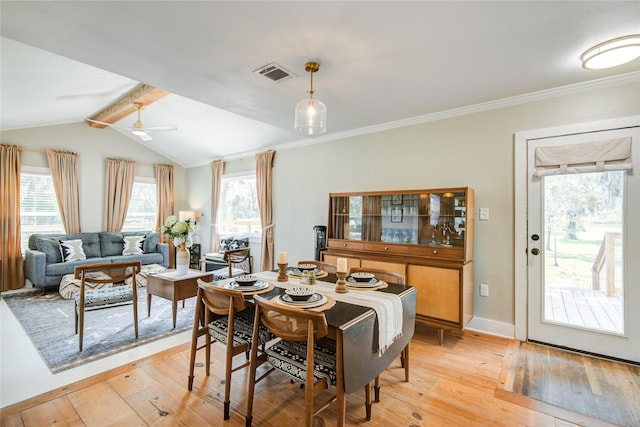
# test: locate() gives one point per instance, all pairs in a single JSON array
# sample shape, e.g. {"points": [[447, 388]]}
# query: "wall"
{"points": [[475, 150], [92, 146]]}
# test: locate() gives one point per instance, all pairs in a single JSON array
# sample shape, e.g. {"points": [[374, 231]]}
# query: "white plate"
{"points": [[362, 276], [260, 284], [297, 272], [316, 300], [370, 284]]}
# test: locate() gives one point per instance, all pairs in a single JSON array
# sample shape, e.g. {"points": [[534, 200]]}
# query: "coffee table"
{"points": [[174, 287]]}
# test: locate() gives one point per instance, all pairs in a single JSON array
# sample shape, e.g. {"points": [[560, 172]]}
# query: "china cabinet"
{"points": [[425, 235]]}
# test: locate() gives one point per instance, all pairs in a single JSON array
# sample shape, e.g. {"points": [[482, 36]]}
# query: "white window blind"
{"points": [[39, 211], [593, 156]]}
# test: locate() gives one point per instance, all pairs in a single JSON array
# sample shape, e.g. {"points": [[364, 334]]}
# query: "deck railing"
{"points": [[606, 258]]}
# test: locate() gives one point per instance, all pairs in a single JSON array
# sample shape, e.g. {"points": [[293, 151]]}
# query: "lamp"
{"points": [[311, 114], [185, 215], [612, 53]]}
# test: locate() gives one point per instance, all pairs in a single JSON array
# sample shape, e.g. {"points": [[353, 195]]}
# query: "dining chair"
{"points": [[324, 266], [399, 279], [312, 365], [223, 315], [238, 262], [104, 277]]}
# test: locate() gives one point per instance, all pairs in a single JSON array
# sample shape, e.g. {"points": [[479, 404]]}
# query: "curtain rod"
{"points": [[35, 150]]}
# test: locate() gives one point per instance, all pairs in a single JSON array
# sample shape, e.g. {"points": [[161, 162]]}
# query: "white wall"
{"points": [[475, 150], [92, 146]]}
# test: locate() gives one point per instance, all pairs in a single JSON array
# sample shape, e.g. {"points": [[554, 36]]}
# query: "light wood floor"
{"points": [[461, 383]]}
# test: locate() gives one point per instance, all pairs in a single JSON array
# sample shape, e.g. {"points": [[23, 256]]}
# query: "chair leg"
{"points": [[367, 400], [376, 390], [405, 354], [194, 341]]}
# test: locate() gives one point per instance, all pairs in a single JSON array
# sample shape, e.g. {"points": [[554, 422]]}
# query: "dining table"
{"points": [[353, 321]]}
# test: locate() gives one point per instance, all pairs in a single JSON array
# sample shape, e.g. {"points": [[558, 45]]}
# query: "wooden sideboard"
{"points": [[425, 235]]}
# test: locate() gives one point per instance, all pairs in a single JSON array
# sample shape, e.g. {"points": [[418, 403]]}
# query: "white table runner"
{"points": [[388, 307]]}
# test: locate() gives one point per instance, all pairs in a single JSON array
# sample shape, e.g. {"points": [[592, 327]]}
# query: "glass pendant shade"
{"points": [[612, 53], [311, 117]]}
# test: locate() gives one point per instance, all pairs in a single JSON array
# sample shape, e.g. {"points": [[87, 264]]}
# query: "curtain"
{"points": [[64, 171], [164, 193], [217, 172], [593, 156], [11, 262], [264, 172], [120, 176]]}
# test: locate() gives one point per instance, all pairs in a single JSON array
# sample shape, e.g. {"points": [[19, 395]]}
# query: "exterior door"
{"points": [[583, 253]]}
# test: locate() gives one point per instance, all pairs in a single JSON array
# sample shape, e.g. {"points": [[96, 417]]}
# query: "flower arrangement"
{"points": [[179, 231]]}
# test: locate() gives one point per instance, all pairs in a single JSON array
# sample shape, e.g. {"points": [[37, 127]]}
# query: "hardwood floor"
{"points": [[460, 383]]}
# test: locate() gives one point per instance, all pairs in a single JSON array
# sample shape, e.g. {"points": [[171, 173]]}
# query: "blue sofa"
{"points": [[44, 263]]}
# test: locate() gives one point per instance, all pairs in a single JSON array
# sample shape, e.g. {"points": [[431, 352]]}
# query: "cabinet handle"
{"points": [[386, 248], [344, 244], [435, 252]]}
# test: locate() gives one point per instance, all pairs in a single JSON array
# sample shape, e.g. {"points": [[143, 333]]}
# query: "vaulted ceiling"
{"points": [[382, 63]]}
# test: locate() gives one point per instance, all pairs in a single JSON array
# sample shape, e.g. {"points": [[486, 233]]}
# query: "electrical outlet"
{"points": [[484, 290]]}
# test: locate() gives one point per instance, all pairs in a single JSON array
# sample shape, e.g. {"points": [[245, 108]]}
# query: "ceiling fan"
{"points": [[138, 128]]}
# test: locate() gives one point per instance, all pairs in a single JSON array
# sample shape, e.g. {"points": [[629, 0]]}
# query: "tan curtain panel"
{"points": [[11, 262], [594, 156], [120, 176], [264, 172], [164, 193], [64, 171], [217, 173]]}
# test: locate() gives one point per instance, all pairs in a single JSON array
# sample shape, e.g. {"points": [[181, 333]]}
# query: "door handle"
{"points": [[535, 251]]}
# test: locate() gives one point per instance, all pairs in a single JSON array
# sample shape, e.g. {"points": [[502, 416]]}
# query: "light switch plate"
{"points": [[484, 214]]}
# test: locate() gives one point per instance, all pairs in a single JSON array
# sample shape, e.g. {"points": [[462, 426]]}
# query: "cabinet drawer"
{"points": [[386, 248], [437, 252], [345, 244]]}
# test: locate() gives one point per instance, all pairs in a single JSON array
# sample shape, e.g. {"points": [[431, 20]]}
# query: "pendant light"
{"points": [[612, 53], [311, 114]]}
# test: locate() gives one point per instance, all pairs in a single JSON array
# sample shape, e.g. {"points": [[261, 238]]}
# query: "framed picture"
{"points": [[396, 199], [396, 214]]}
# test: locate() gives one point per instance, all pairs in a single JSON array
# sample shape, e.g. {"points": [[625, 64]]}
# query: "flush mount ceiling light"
{"points": [[311, 114], [612, 53]]}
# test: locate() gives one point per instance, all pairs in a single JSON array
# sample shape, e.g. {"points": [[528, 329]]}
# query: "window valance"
{"points": [[593, 156]]}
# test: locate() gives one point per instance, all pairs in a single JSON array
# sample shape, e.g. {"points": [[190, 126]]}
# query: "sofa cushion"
{"points": [[90, 242], [60, 269], [51, 248], [151, 243], [111, 243], [72, 250], [133, 245]]}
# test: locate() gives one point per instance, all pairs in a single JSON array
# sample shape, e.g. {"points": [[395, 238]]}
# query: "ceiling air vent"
{"points": [[275, 72]]}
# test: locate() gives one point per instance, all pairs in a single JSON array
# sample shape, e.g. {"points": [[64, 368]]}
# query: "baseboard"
{"points": [[491, 327]]}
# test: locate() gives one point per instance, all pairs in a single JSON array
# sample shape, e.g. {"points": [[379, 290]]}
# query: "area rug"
{"points": [[49, 322], [597, 388]]}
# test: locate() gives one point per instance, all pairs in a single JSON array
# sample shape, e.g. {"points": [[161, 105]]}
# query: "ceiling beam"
{"points": [[143, 94]]}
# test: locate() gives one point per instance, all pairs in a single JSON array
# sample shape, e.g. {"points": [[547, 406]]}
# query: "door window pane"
{"points": [[583, 273]]}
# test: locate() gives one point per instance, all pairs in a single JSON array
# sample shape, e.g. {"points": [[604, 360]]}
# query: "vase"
{"points": [[182, 260]]}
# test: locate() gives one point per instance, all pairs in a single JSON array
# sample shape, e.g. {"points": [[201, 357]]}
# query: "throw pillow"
{"points": [[151, 243], [72, 250], [133, 245], [51, 249], [225, 244]]}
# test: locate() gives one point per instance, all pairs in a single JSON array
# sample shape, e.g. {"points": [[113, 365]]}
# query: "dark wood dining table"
{"points": [[355, 329]]}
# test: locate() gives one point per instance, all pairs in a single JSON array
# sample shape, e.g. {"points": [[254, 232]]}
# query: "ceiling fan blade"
{"points": [[146, 137], [161, 128]]}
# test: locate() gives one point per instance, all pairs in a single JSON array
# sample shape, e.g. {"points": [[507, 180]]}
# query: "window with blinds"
{"points": [[39, 212], [143, 206]]}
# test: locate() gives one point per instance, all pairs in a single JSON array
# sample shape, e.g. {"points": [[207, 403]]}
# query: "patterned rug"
{"points": [[48, 320]]}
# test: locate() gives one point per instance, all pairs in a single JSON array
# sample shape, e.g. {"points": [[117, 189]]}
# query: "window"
{"points": [[238, 212], [39, 212], [143, 206]]}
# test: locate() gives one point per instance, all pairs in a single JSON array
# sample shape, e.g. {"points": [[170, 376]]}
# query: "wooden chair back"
{"points": [[324, 266], [289, 323], [220, 300], [236, 257]]}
